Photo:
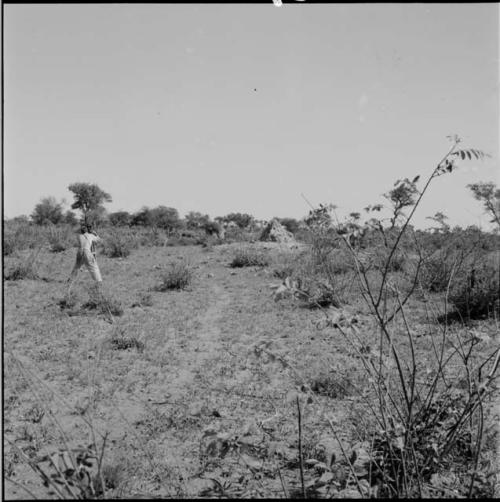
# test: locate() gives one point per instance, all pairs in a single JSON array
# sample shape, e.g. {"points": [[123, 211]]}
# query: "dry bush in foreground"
{"points": [[421, 423]]}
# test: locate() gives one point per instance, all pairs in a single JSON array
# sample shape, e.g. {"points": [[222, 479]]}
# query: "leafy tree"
{"points": [[195, 220], [120, 218], [143, 217], [213, 227], [48, 210], [89, 199], [166, 218], [97, 216], [70, 218], [243, 220], [487, 193], [403, 195], [163, 217]]}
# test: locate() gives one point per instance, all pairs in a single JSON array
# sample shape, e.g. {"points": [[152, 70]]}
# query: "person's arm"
{"points": [[95, 239]]}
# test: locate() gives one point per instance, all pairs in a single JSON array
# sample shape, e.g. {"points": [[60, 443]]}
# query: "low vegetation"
{"points": [[248, 257], [178, 276]]}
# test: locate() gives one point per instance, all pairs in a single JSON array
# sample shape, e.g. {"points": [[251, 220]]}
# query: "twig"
{"points": [[285, 491], [301, 458]]}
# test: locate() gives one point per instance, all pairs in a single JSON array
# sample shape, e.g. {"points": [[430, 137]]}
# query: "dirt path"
{"points": [[206, 341]]}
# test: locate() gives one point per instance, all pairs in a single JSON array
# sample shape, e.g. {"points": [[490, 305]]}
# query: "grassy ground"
{"points": [[196, 389]]}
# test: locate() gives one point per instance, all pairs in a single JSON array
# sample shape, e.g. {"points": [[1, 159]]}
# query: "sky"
{"points": [[223, 108]]}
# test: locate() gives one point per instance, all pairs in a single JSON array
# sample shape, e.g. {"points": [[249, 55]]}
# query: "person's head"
{"points": [[86, 228]]}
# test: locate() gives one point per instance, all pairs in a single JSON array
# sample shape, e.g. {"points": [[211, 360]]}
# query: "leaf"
{"points": [[416, 178], [468, 154], [462, 154]]}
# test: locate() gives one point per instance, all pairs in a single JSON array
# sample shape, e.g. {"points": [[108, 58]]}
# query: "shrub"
{"points": [[187, 238], [69, 302], [21, 235], [121, 342], [436, 273], [21, 271], [318, 294], [446, 265], [152, 237], [476, 295], [249, 258], [8, 245], [333, 385], [58, 238], [120, 219], [48, 210], [397, 263], [118, 245], [178, 276], [103, 304], [25, 269]]}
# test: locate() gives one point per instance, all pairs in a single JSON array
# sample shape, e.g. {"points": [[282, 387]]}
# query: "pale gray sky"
{"points": [[223, 108]]}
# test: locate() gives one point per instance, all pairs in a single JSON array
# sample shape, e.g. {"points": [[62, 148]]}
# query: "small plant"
{"points": [[249, 258], [178, 276], [332, 385], [322, 296], [122, 342], [103, 304], [69, 302]]}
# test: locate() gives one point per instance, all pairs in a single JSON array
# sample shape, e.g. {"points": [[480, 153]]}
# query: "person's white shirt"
{"points": [[86, 241]]}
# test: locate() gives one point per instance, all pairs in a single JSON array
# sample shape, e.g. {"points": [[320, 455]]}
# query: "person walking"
{"points": [[86, 255]]}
